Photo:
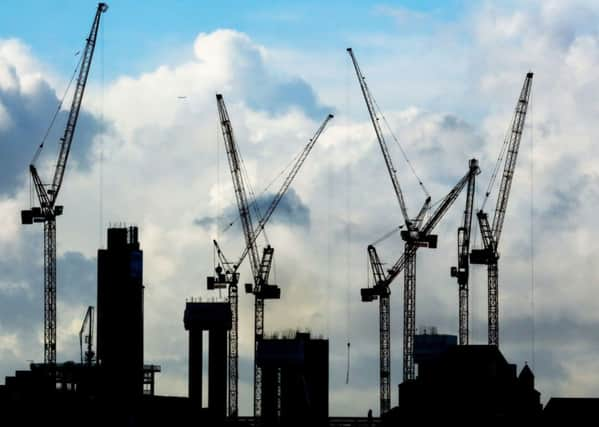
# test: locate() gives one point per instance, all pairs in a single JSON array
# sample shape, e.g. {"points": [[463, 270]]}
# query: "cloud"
{"points": [[289, 211], [21, 299], [27, 104], [78, 278], [403, 15]]}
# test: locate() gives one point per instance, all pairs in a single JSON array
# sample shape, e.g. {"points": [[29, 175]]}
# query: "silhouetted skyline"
{"points": [[148, 152]]}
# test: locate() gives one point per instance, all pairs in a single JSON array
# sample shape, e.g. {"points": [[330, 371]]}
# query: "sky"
{"points": [[147, 152]]}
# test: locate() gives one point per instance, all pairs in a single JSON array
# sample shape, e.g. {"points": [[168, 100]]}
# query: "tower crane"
{"points": [[260, 266], [491, 234], [48, 210], [462, 270], [87, 356], [413, 235], [381, 290]]}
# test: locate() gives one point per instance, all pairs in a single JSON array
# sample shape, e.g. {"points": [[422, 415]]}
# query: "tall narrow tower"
{"points": [[120, 311]]}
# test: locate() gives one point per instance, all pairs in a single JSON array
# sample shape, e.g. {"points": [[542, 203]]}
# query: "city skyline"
{"points": [[148, 152]]}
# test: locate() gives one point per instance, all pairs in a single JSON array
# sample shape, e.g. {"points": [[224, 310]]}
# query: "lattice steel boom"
{"points": [[491, 234], [370, 104]]}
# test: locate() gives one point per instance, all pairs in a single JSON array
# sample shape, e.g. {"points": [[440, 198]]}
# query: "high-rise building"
{"points": [[120, 312], [295, 380]]}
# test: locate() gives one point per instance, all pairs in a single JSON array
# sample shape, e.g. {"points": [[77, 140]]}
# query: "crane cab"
{"points": [[368, 294], [270, 292], [482, 256], [29, 216], [419, 239]]}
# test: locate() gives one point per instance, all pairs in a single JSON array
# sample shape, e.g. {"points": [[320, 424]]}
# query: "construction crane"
{"points": [[260, 266], [413, 235], [491, 234], [87, 357], [48, 210], [462, 270], [381, 290], [228, 277]]}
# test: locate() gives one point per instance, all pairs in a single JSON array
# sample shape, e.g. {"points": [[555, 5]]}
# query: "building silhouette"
{"points": [[466, 383], [117, 380], [120, 337], [216, 318], [295, 379]]}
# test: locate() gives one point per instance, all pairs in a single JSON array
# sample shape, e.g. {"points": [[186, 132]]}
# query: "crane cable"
{"points": [[51, 125], [270, 184], [101, 166], [218, 186], [387, 235], [532, 241], [218, 194], [404, 154], [348, 281], [253, 204], [495, 172]]}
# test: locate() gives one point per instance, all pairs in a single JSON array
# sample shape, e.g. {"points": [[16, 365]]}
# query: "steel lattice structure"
{"points": [[48, 194]]}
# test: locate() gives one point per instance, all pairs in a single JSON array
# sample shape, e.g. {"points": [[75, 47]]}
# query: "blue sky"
{"points": [[139, 35]]}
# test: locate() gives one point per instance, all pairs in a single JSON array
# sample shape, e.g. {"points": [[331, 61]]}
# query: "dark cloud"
{"points": [[205, 222], [568, 196], [21, 296], [77, 278], [281, 97], [21, 300], [290, 211], [29, 114]]}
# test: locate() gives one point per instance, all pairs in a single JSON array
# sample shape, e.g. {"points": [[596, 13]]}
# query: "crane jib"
{"points": [[67, 138], [368, 98]]}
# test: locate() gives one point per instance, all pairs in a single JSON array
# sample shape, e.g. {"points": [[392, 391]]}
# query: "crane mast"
{"points": [[261, 267], [47, 195], [491, 234], [381, 291], [227, 276], [461, 272]]}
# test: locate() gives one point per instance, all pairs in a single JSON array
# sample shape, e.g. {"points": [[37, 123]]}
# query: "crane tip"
{"points": [[348, 49]]}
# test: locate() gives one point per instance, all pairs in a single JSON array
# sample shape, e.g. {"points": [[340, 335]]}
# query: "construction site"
{"points": [[445, 375]]}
